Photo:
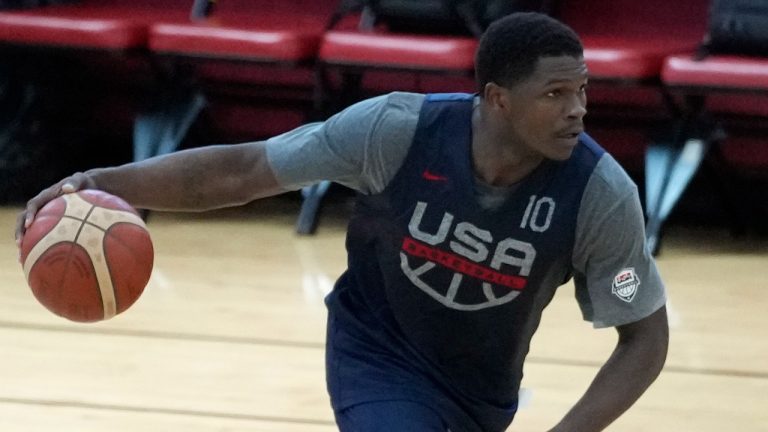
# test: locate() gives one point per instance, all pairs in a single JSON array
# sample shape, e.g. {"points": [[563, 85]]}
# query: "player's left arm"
{"points": [[635, 363], [617, 285]]}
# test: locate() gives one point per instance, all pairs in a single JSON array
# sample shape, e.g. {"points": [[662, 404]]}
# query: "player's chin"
{"points": [[560, 151], [561, 147]]}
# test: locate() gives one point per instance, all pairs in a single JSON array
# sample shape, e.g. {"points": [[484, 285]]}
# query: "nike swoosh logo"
{"points": [[433, 177]]}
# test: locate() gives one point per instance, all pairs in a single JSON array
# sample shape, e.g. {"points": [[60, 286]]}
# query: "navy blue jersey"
{"points": [[442, 295]]}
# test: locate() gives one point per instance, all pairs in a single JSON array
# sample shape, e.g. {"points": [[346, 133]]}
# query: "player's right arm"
{"points": [[617, 285], [189, 180], [361, 148]]}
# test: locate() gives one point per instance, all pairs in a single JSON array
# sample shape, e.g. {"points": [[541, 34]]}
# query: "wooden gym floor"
{"points": [[229, 336]]}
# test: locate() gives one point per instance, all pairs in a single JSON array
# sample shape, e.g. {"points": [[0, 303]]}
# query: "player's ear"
{"points": [[495, 96]]}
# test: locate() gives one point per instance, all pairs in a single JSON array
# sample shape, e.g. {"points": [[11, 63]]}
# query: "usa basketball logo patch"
{"points": [[625, 284]]}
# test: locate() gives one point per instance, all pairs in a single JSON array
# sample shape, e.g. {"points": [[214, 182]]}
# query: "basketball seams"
{"points": [[40, 251], [77, 224], [91, 246], [112, 215], [95, 245], [126, 217], [44, 244], [82, 222], [92, 241], [116, 218], [115, 241], [86, 225]]}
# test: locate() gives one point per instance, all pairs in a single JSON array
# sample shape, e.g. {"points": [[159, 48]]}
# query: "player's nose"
{"points": [[577, 108]]}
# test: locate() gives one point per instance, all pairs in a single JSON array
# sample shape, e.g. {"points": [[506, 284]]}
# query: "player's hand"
{"points": [[73, 183]]}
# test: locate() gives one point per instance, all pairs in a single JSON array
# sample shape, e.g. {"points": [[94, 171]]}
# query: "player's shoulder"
{"points": [[404, 104], [401, 98], [608, 179], [385, 110], [405, 101]]}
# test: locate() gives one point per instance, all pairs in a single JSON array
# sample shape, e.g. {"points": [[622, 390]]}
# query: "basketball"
{"points": [[87, 256]]}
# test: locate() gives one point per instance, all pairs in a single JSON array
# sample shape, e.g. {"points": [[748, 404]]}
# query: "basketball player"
{"points": [[472, 210]]}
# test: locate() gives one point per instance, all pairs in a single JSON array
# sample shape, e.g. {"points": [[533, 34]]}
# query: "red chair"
{"points": [[98, 32], [222, 49], [264, 49], [626, 44], [357, 59], [722, 95], [87, 25]]}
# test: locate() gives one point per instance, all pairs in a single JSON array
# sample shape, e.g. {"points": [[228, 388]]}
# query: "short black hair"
{"points": [[511, 47]]}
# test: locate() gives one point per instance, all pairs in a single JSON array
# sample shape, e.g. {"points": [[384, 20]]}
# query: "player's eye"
{"points": [[554, 93]]}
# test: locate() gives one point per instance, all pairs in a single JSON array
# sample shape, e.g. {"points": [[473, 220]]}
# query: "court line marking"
{"points": [[163, 335], [155, 410], [241, 340]]}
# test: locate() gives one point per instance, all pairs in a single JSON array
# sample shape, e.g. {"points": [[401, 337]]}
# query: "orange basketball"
{"points": [[87, 256]]}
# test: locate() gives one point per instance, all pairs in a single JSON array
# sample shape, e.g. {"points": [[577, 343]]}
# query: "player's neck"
{"points": [[497, 160]]}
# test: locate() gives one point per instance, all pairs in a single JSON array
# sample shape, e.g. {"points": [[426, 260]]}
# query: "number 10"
{"points": [[533, 214]]}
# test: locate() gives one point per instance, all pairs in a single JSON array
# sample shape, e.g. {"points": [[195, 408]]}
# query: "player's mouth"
{"points": [[571, 136]]}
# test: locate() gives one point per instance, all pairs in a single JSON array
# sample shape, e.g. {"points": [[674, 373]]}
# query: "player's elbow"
{"points": [[657, 353], [248, 176], [648, 339]]}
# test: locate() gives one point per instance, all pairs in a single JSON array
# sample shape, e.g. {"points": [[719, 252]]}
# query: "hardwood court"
{"points": [[229, 337]]}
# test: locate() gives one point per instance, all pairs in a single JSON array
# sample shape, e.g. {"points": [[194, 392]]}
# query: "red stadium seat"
{"points": [[292, 39], [715, 89], [72, 26], [86, 29], [248, 49], [716, 73], [352, 53], [633, 62], [626, 44], [284, 37], [625, 59], [399, 51]]}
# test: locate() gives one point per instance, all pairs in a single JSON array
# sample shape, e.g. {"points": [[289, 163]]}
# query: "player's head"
{"points": [[532, 78], [512, 46]]}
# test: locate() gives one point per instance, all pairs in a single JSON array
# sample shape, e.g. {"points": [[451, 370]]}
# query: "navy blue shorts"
{"points": [[389, 416]]}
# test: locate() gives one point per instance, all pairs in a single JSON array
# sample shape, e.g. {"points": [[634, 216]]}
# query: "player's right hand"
{"points": [[73, 183]]}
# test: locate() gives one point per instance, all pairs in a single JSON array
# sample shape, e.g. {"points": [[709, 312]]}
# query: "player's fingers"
{"points": [[23, 221], [70, 184], [19, 231], [76, 182], [73, 183], [28, 215], [68, 187]]}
